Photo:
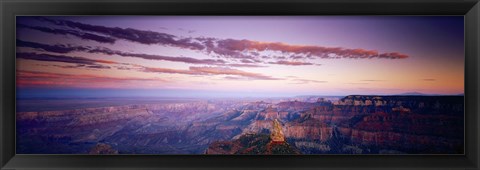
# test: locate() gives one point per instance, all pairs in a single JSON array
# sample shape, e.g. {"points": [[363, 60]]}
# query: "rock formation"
{"points": [[102, 148], [251, 144], [277, 133]]}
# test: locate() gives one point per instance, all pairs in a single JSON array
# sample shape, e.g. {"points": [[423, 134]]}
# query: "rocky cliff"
{"points": [[352, 125], [257, 144]]}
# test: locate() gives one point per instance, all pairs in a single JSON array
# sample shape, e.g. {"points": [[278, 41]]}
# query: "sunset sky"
{"points": [[245, 56]]}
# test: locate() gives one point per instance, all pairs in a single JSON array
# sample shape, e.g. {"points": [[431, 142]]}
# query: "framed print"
{"points": [[253, 84]]}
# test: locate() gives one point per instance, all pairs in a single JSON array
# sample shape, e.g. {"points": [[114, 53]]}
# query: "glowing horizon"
{"points": [[247, 55]]}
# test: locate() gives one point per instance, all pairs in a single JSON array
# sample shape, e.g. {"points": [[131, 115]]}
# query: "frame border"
{"points": [[11, 8]]}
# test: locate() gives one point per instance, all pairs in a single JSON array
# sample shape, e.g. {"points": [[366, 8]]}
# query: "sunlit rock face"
{"points": [[103, 149], [277, 133], [252, 144]]}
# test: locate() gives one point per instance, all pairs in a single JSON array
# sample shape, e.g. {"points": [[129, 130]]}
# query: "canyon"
{"points": [[354, 124]]}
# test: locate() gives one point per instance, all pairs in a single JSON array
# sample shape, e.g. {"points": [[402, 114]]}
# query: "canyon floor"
{"points": [[355, 124]]}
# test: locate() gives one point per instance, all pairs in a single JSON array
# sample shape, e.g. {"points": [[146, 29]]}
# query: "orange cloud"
{"points": [[45, 79], [211, 71], [234, 47]]}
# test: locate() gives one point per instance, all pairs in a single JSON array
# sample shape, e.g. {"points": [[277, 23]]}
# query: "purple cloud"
{"points": [[232, 46], [306, 81], [212, 71], [134, 35], [247, 50], [58, 48], [79, 61], [69, 48], [290, 63], [244, 65], [82, 35], [157, 57]]}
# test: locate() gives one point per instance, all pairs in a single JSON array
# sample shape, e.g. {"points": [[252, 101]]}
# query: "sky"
{"points": [[244, 56]]}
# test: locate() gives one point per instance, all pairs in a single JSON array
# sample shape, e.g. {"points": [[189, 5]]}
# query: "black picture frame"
{"points": [[11, 8]]}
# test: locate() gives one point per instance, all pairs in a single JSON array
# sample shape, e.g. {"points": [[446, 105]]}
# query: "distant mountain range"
{"points": [[414, 93], [423, 94]]}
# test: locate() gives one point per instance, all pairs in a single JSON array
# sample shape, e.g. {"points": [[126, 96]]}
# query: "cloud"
{"points": [[98, 67], [245, 49], [133, 35], [229, 71], [234, 78], [63, 59], [167, 70], [247, 61], [212, 71], [232, 46], [157, 57], [244, 65], [306, 81], [290, 63], [102, 50], [82, 66], [249, 52], [57, 48], [45, 79], [66, 49], [82, 35]]}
